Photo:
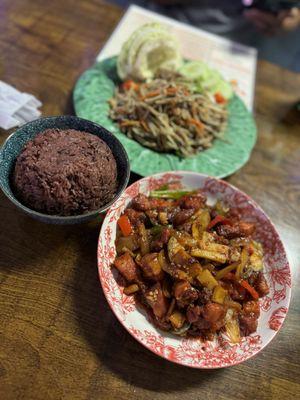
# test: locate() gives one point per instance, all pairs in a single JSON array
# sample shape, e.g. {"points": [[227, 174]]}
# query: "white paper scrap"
{"points": [[16, 108]]}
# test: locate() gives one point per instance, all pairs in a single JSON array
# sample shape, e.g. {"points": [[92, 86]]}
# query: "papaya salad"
{"points": [[163, 102], [194, 268]]}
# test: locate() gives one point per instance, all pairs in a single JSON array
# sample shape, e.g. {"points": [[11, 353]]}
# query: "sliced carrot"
{"points": [[151, 94], [130, 84], [171, 91], [125, 225], [198, 124], [220, 99], [249, 288]]}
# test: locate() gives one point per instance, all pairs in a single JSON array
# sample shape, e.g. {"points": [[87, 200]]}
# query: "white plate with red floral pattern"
{"points": [[194, 352]]}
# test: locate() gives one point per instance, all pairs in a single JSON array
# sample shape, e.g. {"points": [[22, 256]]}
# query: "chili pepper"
{"points": [[125, 225], [249, 288]]}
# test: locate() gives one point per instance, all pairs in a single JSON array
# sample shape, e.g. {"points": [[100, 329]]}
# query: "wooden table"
{"points": [[59, 339]]}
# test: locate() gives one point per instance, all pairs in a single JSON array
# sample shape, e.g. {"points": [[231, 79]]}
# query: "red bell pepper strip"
{"points": [[125, 225], [249, 288], [219, 219]]}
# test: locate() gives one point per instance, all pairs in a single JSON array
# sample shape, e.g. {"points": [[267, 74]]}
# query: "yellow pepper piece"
{"points": [[210, 255], [200, 224], [177, 319], [243, 262], [206, 279], [219, 294]]}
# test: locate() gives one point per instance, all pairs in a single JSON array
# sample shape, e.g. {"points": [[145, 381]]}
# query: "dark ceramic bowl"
{"points": [[16, 141]]}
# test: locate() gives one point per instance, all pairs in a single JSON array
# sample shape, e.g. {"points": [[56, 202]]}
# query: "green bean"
{"points": [[170, 194]]}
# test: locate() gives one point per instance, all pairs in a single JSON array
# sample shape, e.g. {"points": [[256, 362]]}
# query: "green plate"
{"points": [[96, 86]]}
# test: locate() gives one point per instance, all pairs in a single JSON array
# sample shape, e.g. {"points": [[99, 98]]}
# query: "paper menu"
{"points": [[236, 62]]}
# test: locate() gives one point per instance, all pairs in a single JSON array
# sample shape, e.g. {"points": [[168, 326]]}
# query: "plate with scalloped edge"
{"points": [[97, 85], [218, 353]]}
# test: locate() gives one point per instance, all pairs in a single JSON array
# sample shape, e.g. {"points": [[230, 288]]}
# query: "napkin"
{"points": [[16, 108]]}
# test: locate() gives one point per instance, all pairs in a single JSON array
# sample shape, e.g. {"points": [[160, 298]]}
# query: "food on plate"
{"points": [[149, 48], [165, 114], [166, 104], [195, 268], [65, 172]]}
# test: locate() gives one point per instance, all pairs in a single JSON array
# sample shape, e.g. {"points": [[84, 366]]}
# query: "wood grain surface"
{"points": [[58, 338]]}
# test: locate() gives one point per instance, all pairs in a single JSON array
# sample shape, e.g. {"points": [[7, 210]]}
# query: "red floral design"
{"points": [[193, 352], [266, 303], [128, 303], [277, 318], [279, 295], [116, 209], [281, 276], [156, 182], [133, 190]]}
